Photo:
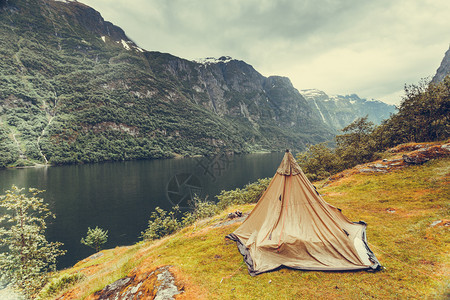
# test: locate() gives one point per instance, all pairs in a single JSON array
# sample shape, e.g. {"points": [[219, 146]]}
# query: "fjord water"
{"points": [[120, 196]]}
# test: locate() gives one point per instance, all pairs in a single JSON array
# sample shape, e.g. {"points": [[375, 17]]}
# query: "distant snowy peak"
{"points": [[313, 93], [213, 60], [338, 111]]}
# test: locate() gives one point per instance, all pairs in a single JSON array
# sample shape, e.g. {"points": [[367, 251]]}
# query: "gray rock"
{"points": [[435, 223], [379, 166], [414, 160], [167, 288]]}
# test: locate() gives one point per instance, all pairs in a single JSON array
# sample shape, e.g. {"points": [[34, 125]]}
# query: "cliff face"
{"points": [[234, 88], [339, 111], [444, 68]]}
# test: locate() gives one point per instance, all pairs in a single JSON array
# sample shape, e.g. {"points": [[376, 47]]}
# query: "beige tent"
{"points": [[293, 226]]}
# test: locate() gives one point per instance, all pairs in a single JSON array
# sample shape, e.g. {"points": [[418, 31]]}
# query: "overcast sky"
{"points": [[371, 48]]}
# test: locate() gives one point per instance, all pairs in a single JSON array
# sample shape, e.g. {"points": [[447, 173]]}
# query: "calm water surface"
{"points": [[120, 196]]}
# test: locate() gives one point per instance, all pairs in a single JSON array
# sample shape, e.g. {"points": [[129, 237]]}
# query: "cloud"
{"points": [[371, 48]]}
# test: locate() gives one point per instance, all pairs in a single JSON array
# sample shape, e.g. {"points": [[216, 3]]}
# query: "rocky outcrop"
{"points": [[407, 155], [158, 284], [444, 68]]}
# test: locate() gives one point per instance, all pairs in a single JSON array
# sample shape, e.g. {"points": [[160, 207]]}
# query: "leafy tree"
{"points": [[423, 115], [29, 256], [95, 238], [356, 145], [319, 161]]}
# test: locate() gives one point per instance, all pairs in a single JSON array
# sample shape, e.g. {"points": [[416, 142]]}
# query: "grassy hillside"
{"points": [[400, 208]]}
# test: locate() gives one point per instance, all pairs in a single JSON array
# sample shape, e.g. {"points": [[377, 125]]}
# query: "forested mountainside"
{"points": [[338, 111], [75, 89]]}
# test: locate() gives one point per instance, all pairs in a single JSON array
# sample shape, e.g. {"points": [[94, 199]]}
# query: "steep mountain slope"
{"points": [[75, 89], [444, 68], [339, 111]]}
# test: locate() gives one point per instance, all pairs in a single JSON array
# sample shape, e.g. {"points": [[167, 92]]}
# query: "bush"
{"points": [[161, 223], [201, 209], [60, 283], [249, 194]]}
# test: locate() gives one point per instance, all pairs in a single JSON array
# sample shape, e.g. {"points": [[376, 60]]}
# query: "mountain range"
{"points": [[75, 89], [339, 111]]}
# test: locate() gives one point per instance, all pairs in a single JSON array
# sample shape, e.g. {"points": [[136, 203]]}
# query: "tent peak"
{"points": [[289, 165]]}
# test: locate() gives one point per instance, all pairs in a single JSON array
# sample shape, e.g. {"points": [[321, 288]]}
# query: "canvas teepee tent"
{"points": [[293, 226]]}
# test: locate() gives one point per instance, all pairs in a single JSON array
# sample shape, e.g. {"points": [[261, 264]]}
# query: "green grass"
{"points": [[415, 255]]}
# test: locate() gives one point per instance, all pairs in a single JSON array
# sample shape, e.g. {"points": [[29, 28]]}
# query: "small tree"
{"points": [[356, 145], [29, 256], [95, 238], [161, 223]]}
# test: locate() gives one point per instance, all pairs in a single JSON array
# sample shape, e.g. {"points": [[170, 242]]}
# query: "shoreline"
{"points": [[175, 156]]}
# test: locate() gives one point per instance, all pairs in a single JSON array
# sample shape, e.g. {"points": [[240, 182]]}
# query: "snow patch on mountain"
{"points": [[312, 93], [213, 60], [125, 45]]}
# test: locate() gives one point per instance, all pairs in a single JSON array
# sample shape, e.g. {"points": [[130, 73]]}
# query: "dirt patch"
{"points": [[227, 221]]}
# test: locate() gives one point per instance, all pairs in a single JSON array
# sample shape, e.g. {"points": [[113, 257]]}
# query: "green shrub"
{"points": [[201, 209], [60, 283], [249, 194], [161, 223]]}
